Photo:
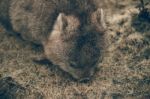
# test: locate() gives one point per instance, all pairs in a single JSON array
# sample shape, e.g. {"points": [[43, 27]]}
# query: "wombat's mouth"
{"points": [[85, 80], [82, 75]]}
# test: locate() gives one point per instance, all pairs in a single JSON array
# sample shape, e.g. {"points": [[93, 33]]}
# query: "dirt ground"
{"points": [[124, 72]]}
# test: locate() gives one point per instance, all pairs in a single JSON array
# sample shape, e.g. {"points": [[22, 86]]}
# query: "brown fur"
{"points": [[32, 18], [71, 31], [75, 51]]}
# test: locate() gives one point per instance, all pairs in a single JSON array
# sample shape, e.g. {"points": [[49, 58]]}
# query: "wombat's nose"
{"points": [[85, 79], [86, 75]]}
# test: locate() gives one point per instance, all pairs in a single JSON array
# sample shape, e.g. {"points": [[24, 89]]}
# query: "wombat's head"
{"points": [[74, 49]]}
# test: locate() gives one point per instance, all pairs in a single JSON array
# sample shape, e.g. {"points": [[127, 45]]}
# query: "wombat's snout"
{"points": [[86, 77], [83, 75], [84, 80]]}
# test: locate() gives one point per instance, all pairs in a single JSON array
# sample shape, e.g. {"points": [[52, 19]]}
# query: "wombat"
{"points": [[71, 31]]}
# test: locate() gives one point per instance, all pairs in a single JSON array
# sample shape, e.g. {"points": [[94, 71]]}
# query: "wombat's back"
{"points": [[32, 18]]}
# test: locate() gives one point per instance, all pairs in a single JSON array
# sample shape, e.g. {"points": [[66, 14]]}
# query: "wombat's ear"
{"points": [[98, 20], [60, 22]]}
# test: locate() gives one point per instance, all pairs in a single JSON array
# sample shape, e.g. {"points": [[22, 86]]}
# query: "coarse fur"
{"points": [[71, 31], [75, 51], [32, 18]]}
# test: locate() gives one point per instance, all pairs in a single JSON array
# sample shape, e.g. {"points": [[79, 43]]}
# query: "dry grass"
{"points": [[124, 72]]}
